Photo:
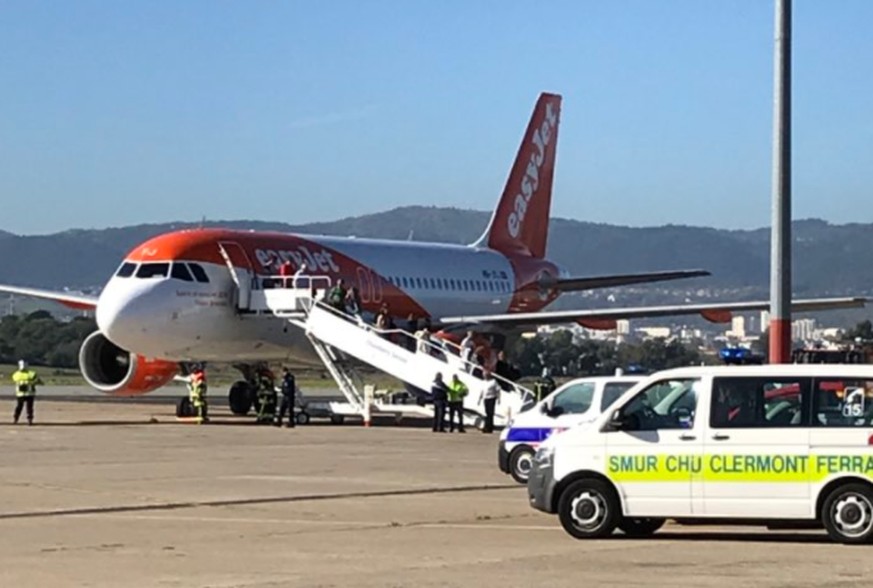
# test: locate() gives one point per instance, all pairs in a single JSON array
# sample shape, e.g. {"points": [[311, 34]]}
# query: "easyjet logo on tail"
{"points": [[531, 180]]}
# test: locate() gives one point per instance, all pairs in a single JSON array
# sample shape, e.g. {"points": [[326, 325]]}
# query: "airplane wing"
{"points": [[605, 318], [590, 283], [71, 300]]}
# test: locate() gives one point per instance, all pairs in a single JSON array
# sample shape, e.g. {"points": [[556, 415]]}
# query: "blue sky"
{"points": [[116, 113]]}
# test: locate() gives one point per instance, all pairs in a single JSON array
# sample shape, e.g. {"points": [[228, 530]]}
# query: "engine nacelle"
{"points": [[110, 369]]}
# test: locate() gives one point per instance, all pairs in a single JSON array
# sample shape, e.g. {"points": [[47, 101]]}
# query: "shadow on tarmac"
{"points": [[164, 506]]}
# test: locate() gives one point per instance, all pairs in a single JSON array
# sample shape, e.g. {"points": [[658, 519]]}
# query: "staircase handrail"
{"points": [[471, 366]]}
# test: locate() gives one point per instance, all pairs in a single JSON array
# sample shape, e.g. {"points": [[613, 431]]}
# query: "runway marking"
{"points": [[246, 501]]}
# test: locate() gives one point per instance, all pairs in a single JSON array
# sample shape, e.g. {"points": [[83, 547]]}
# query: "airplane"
{"points": [[171, 300]]}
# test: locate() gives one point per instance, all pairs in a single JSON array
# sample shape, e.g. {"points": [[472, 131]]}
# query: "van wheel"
{"points": [[847, 514], [520, 463], [301, 418], [640, 527], [588, 509]]}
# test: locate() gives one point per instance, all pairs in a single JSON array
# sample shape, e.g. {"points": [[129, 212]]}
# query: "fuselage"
{"points": [[173, 297]]}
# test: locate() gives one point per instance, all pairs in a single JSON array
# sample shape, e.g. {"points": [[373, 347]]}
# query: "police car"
{"points": [[778, 444], [575, 402]]}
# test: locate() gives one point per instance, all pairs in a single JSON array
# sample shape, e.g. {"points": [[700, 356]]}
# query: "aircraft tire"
{"points": [[184, 408], [239, 398]]}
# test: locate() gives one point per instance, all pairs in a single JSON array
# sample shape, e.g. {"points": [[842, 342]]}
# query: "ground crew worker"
{"points": [[197, 393], [25, 390], [457, 391], [289, 391], [266, 396], [440, 393], [490, 394]]}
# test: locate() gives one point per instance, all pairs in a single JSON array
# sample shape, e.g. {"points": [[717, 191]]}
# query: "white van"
{"points": [[577, 401], [777, 444]]}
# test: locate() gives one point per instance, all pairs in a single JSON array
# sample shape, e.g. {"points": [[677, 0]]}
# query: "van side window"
{"points": [[758, 402], [667, 404], [574, 400], [612, 391], [842, 402]]}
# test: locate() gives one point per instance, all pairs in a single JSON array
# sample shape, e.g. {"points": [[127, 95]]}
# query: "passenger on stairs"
{"points": [[467, 345], [440, 393], [285, 273], [337, 297], [353, 302], [412, 329]]}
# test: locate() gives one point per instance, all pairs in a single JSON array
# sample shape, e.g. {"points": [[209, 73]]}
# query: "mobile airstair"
{"points": [[340, 338]]}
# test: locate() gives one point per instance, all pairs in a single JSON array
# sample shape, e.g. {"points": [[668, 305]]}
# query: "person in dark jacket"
{"points": [[289, 391], [440, 393]]}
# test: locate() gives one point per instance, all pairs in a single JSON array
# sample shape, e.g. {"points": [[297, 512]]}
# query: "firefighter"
{"points": [[25, 381], [197, 393], [266, 396]]}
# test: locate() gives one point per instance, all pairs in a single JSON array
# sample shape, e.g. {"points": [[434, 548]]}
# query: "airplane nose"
{"points": [[122, 316]]}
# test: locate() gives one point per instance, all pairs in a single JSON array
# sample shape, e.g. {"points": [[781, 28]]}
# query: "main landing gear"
{"points": [[243, 394]]}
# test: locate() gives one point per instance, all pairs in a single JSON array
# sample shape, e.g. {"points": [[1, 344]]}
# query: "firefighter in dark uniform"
{"points": [[25, 381], [289, 393]]}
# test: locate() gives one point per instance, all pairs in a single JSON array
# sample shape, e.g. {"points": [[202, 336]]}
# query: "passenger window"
{"points": [[758, 402], [153, 270], [668, 404], [199, 273], [612, 391], [180, 272], [126, 270], [843, 402], [574, 400]]}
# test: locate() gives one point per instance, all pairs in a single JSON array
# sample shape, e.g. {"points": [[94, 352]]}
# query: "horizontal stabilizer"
{"points": [[78, 302], [705, 310], [590, 283]]}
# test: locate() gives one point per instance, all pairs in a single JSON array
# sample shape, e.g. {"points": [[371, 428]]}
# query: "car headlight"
{"points": [[543, 457]]}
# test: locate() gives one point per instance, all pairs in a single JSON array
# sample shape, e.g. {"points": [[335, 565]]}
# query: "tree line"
{"points": [[43, 340]]}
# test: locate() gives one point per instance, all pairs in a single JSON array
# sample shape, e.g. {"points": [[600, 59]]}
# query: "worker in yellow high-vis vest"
{"points": [[25, 381]]}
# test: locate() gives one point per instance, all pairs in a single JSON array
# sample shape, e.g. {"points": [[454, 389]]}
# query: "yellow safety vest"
{"points": [[457, 391], [25, 382]]}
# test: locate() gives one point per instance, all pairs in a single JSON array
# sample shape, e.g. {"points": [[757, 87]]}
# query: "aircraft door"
{"points": [[241, 271]]}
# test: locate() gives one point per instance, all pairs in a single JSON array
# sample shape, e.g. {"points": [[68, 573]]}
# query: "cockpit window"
{"points": [[180, 272], [199, 273], [153, 270], [126, 270]]}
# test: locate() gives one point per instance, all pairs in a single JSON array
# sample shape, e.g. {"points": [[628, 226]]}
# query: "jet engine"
{"points": [[113, 370]]}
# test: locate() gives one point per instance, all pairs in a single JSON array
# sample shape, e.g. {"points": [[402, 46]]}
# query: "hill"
{"points": [[828, 259]]}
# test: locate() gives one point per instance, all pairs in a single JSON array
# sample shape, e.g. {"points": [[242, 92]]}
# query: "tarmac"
{"points": [[118, 494]]}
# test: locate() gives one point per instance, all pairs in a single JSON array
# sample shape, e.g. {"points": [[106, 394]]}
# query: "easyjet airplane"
{"points": [[172, 299]]}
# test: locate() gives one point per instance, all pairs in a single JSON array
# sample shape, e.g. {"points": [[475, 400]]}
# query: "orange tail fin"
{"points": [[520, 223]]}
